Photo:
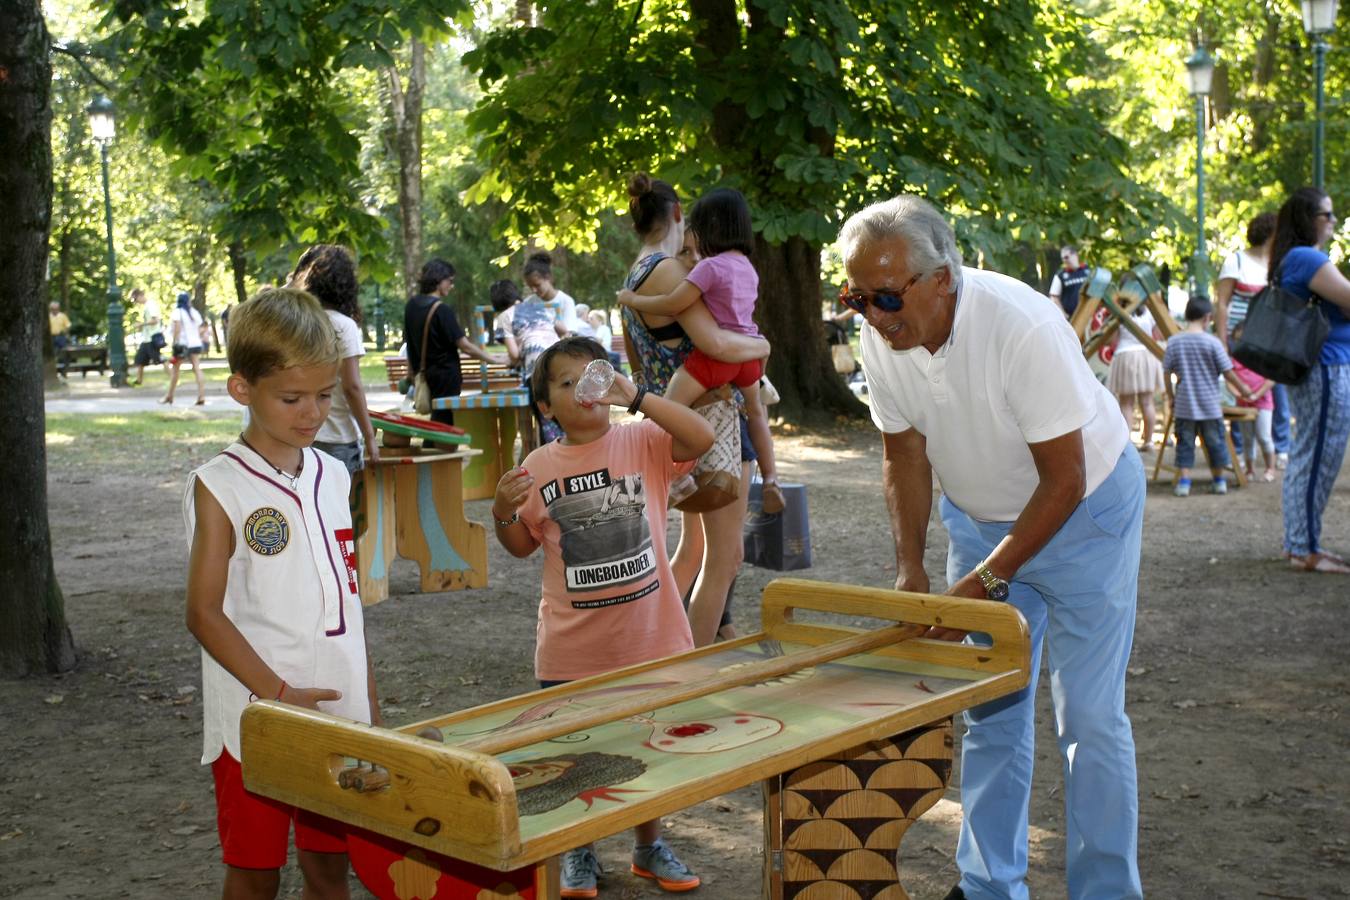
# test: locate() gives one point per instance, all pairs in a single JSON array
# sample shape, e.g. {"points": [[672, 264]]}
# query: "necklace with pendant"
{"points": [[293, 479]]}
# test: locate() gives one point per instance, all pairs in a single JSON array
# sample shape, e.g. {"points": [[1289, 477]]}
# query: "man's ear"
{"points": [[238, 387]]}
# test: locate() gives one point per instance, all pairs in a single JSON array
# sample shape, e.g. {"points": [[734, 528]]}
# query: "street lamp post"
{"points": [[1200, 78], [379, 320], [1319, 18], [103, 128]]}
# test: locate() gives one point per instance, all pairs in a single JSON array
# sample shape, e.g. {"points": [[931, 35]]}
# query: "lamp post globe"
{"points": [[102, 125], [1200, 80], [1319, 19]]}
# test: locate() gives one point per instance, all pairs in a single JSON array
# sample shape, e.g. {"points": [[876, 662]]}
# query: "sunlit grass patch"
{"points": [[137, 443]]}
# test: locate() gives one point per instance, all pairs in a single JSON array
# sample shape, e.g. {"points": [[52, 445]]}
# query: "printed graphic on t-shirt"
{"points": [[605, 540]]}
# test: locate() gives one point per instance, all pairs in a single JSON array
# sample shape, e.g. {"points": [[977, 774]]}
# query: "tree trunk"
{"points": [[789, 311], [33, 633], [405, 108], [789, 314], [238, 266], [524, 12]]}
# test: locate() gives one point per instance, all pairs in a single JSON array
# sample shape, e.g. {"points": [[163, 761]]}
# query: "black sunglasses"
{"points": [[884, 301]]}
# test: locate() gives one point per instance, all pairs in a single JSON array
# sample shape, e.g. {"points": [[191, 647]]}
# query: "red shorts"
{"points": [[713, 373], [255, 831]]}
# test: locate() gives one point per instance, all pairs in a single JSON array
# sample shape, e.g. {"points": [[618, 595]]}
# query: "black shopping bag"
{"points": [[780, 541]]}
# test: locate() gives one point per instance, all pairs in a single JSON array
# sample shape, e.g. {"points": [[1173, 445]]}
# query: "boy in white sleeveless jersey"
{"points": [[272, 586]]}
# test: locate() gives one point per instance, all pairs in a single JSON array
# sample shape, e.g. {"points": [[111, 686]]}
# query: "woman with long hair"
{"points": [[328, 273], [1321, 404], [711, 546]]}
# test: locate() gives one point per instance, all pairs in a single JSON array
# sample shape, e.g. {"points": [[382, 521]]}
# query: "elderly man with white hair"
{"points": [[973, 375]]}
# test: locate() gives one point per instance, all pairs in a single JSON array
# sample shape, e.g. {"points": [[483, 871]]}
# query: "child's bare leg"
{"points": [[757, 421], [647, 832], [325, 875], [684, 388], [1126, 402], [1149, 414], [251, 884]]}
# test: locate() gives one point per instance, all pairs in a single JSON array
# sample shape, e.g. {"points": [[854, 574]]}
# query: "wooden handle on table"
{"points": [[536, 732]]}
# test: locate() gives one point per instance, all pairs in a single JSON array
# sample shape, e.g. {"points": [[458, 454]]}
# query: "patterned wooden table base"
{"points": [[833, 827]]}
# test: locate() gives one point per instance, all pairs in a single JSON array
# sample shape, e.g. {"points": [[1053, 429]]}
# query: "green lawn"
{"points": [[372, 372], [140, 444]]}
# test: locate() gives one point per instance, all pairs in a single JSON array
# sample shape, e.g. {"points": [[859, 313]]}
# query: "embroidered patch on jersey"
{"points": [[347, 544], [266, 531]]}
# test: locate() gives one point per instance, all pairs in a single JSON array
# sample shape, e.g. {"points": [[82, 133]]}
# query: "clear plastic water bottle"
{"points": [[595, 381]]}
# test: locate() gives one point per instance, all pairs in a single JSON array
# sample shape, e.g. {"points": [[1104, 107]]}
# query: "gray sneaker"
{"points": [[1182, 488], [656, 861], [1219, 486], [580, 869]]}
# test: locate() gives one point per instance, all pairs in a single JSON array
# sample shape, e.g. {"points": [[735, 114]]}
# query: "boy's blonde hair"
{"points": [[279, 328]]}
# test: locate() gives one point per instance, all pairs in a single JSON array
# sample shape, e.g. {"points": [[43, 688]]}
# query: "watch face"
{"points": [[999, 591]]}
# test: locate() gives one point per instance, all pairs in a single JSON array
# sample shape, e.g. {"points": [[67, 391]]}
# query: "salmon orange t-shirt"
{"points": [[599, 511]]}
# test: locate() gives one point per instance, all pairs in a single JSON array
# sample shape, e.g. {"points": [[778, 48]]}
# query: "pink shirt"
{"points": [[599, 510], [1253, 381], [730, 285]]}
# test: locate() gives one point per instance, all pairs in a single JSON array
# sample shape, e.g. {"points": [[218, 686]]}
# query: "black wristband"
{"points": [[637, 401]]}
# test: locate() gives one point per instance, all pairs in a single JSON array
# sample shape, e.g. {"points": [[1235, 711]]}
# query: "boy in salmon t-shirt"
{"points": [[596, 501]]}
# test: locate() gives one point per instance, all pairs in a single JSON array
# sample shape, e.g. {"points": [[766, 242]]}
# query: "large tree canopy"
{"points": [[812, 108], [247, 97]]}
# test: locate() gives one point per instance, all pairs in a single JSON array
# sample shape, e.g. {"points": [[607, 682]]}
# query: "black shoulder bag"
{"points": [[1282, 335]]}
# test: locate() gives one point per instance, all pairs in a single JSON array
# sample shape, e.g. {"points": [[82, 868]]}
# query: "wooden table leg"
{"points": [[373, 522], [833, 827], [450, 551], [481, 473]]}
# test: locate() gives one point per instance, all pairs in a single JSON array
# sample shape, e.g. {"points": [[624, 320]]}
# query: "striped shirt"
{"points": [[1198, 360]]}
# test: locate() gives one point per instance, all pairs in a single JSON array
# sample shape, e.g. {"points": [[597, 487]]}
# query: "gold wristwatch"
{"points": [[995, 588]]}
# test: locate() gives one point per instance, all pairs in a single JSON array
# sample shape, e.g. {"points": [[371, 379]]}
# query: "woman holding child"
{"points": [[711, 549], [1321, 404]]}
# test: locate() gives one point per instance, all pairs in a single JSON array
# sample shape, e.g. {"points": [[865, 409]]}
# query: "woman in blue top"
{"points": [[1321, 404]]}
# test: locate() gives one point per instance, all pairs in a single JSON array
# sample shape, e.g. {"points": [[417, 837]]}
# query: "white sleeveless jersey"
{"points": [[292, 585]]}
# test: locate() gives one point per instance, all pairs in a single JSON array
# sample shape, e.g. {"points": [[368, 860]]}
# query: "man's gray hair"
{"points": [[929, 239]]}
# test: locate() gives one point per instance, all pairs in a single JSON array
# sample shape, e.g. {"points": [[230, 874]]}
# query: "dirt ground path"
{"points": [[1237, 693]]}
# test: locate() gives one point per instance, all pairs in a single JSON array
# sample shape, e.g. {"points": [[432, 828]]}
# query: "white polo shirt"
{"points": [[1011, 374]]}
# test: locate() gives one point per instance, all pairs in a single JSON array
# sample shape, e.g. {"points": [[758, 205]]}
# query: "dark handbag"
{"points": [[1282, 335]]}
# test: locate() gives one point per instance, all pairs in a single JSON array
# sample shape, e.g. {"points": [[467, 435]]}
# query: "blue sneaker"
{"points": [[658, 862], [1182, 488], [580, 869], [1220, 486]]}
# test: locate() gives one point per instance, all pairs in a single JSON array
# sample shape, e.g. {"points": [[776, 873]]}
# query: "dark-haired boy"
{"points": [[1198, 360], [596, 501]]}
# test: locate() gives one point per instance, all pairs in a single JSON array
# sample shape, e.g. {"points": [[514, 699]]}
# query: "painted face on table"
{"points": [[908, 309]]}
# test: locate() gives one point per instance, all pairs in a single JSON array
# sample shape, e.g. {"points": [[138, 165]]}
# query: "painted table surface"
{"points": [[562, 783], [530, 803], [411, 504], [493, 421]]}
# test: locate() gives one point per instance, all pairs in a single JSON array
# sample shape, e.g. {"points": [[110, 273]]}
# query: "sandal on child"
{"points": [[771, 497], [1269, 475], [1320, 562]]}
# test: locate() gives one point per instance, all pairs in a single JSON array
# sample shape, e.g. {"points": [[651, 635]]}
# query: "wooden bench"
{"points": [[477, 374], [82, 359], [395, 369]]}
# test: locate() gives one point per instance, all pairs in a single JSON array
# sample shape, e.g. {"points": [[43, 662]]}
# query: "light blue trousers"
{"points": [[1322, 406], [1079, 592]]}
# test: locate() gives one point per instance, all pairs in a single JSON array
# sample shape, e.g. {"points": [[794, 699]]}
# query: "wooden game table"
{"points": [[493, 419], [411, 504], [848, 729]]}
